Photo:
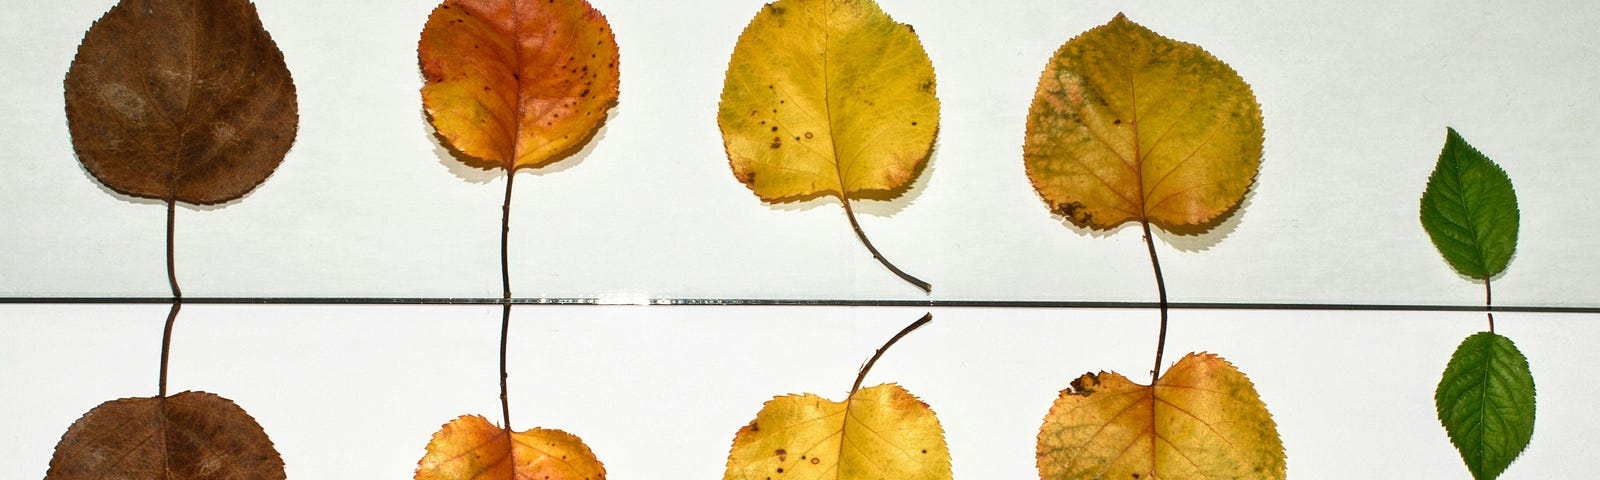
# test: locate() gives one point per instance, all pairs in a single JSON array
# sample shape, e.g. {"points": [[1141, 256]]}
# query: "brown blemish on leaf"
{"points": [[783, 455]]}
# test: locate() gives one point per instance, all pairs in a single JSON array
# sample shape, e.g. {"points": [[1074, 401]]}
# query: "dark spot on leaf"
{"points": [[1135, 475], [774, 127], [780, 469], [913, 124], [808, 134], [1075, 211], [783, 455], [815, 461], [924, 451], [1119, 122]]}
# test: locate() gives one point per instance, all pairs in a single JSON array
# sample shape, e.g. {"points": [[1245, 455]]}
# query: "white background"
{"points": [[1355, 95]]}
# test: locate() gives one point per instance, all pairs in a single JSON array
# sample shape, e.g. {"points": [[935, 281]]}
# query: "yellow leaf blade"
{"points": [[517, 84], [471, 448], [1202, 419], [1128, 125], [880, 432], [827, 97]]}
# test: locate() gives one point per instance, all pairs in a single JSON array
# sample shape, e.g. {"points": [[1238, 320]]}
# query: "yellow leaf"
{"points": [[517, 84], [827, 97], [881, 432], [470, 448], [1127, 125], [1202, 419]]}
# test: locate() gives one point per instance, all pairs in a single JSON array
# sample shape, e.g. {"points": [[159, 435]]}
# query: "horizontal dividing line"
{"points": [[760, 302]]}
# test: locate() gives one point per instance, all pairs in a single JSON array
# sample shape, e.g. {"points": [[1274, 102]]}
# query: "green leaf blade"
{"points": [[1470, 210], [1486, 403]]}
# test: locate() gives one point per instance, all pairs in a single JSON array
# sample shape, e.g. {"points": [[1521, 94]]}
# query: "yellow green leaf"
{"points": [[827, 97], [517, 84], [470, 448], [881, 432], [1128, 125], [1202, 419]]}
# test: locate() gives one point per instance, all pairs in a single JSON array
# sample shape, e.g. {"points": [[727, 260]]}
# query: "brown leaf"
{"points": [[191, 435], [184, 100]]}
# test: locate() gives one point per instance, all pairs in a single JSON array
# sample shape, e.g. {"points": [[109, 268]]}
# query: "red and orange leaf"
{"points": [[191, 435], [516, 84], [471, 448], [1202, 419]]}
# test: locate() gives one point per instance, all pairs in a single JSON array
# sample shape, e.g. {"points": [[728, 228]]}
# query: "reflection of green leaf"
{"points": [[1486, 402], [1470, 210]]}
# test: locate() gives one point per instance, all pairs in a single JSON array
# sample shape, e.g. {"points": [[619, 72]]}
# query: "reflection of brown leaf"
{"points": [[184, 100], [190, 435]]}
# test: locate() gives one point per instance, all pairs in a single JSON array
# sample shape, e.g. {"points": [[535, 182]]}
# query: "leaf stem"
{"points": [[505, 281], [1161, 291], [1488, 303], [851, 214], [177, 298], [862, 374]]}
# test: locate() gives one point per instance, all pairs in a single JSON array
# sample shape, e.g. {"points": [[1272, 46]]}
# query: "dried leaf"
{"points": [[191, 435], [1128, 125], [517, 84], [827, 97], [1202, 419], [185, 100], [881, 432], [1486, 403], [1470, 210], [470, 448]]}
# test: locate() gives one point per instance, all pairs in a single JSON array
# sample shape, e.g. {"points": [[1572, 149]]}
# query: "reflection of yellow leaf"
{"points": [[470, 448], [827, 97], [881, 432], [517, 84], [1128, 125], [1202, 419]]}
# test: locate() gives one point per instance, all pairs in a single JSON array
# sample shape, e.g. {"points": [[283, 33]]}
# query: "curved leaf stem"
{"points": [[1161, 290], [851, 214], [862, 374], [177, 297], [1488, 303], [505, 281]]}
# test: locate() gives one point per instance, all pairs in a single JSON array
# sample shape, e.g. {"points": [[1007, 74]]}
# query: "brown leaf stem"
{"points": [[1488, 303], [177, 297], [851, 214], [505, 281], [862, 374], [1161, 291]]}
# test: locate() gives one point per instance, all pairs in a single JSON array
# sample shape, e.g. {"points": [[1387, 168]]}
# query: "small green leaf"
{"points": [[1470, 210], [1486, 403]]}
